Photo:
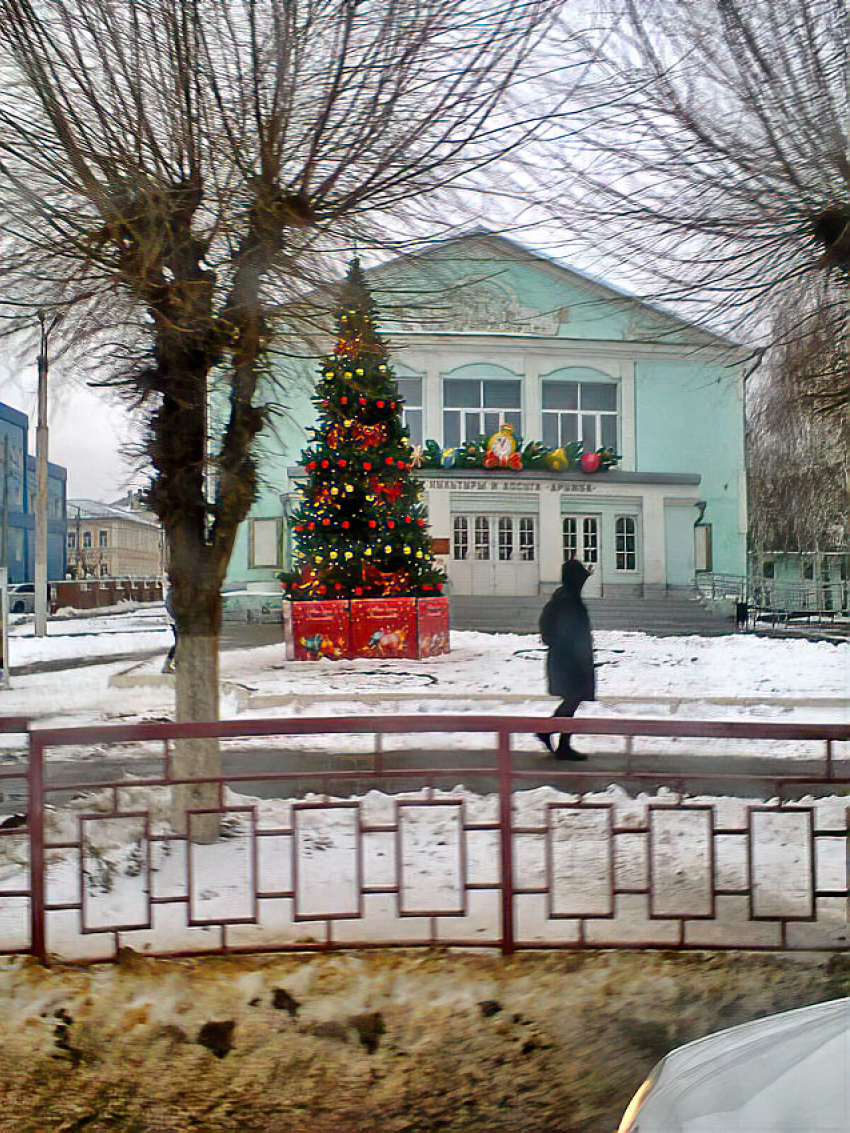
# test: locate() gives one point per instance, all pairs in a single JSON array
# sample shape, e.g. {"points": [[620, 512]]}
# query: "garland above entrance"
{"points": [[505, 450]]}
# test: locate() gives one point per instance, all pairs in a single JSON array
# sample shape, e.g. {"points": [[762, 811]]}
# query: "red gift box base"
{"points": [[367, 627]]}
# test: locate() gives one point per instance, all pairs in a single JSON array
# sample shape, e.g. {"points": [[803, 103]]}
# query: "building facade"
{"points": [[17, 503], [107, 541], [484, 334]]}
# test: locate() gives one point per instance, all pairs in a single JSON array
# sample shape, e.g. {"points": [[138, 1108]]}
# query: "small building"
{"points": [[107, 541], [483, 334], [17, 503]]}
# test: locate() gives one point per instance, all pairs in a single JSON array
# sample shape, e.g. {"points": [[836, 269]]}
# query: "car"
{"points": [[22, 598], [787, 1073]]}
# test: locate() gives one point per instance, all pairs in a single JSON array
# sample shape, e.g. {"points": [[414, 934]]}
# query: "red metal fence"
{"points": [[538, 854]]}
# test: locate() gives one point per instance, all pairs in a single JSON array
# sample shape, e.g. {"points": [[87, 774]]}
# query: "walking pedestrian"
{"points": [[565, 629], [170, 662]]}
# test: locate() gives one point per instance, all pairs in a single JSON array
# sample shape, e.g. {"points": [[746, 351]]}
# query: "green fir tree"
{"points": [[361, 529]]}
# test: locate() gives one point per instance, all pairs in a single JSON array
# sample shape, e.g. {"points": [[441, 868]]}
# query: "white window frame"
{"points": [[460, 538], [564, 432], [253, 560], [416, 433], [622, 548], [527, 547], [505, 539], [478, 420], [481, 543]]}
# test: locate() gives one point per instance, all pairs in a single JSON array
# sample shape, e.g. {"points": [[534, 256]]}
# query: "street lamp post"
{"points": [[40, 573]]}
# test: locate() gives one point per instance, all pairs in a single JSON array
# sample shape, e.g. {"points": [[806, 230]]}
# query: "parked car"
{"points": [[22, 598], [788, 1073]]}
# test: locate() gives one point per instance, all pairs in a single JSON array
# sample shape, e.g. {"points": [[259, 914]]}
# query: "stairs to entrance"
{"points": [[676, 615]]}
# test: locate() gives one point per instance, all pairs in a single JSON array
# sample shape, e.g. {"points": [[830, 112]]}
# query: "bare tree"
{"points": [[172, 171], [798, 456], [715, 159]]}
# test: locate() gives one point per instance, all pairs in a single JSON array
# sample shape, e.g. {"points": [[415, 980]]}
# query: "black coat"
{"points": [[565, 628]]}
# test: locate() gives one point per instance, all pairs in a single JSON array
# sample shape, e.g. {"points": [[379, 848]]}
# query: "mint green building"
{"points": [[485, 333]]}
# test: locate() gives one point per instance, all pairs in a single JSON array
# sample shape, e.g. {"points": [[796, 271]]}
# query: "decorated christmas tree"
{"points": [[360, 531]]}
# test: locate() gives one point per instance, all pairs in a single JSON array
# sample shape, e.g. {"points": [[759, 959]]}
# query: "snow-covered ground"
{"points": [[729, 676], [310, 858]]}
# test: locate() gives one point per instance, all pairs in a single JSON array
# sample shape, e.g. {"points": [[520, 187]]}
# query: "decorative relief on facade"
{"points": [[476, 305]]}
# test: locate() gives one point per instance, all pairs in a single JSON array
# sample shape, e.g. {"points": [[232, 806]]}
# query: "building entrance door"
{"points": [[494, 554], [581, 541]]}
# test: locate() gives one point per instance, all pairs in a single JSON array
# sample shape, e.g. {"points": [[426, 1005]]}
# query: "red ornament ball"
{"points": [[390, 523], [358, 589], [311, 526], [311, 466], [590, 461], [326, 523], [345, 524], [367, 466], [362, 400], [380, 404], [341, 463], [421, 522], [372, 523], [389, 460], [326, 464], [299, 527], [342, 401], [402, 465]]}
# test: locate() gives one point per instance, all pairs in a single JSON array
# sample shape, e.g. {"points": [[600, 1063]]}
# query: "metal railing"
{"points": [[511, 868], [803, 599]]}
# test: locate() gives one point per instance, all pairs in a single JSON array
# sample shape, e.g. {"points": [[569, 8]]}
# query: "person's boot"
{"points": [[566, 750], [546, 739]]}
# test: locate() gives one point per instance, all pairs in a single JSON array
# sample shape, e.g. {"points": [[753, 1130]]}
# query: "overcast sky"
{"points": [[87, 432]]}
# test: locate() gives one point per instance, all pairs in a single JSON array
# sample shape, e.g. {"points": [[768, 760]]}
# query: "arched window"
{"points": [[570, 532], [526, 539], [506, 539], [460, 533], [482, 537]]}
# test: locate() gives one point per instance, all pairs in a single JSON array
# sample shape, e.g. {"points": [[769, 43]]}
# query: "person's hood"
{"points": [[574, 575]]}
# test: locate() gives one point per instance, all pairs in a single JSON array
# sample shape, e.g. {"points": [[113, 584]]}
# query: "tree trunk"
{"points": [[196, 701]]}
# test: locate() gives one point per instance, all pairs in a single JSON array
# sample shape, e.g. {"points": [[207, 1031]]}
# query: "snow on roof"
{"points": [[94, 509]]}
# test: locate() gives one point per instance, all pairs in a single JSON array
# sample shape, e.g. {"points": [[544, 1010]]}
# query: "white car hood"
{"points": [[789, 1073]]}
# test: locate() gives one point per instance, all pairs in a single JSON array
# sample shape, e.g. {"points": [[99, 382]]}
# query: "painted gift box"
{"points": [[383, 627], [366, 627], [432, 626], [317, 629]]}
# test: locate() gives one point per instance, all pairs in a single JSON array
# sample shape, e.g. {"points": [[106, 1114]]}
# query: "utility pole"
{"points": [[40, 578], [4, 508]]}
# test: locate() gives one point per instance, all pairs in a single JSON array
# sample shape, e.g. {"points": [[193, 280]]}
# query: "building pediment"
{"points": [[486, 284]]}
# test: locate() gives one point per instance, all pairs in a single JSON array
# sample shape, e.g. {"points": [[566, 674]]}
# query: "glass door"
{"points": [[580, 535]]}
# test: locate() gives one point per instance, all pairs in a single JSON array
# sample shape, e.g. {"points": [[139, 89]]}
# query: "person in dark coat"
{"points": [[170, 662], [565, 629]]}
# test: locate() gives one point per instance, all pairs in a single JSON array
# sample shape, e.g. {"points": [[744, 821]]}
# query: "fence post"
{"points": [[506, 841], [35, 822]]}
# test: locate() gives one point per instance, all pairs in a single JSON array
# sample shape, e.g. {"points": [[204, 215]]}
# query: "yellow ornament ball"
{"points": [[407, 550], [387, 548], [334, 555], [348, 555]]}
